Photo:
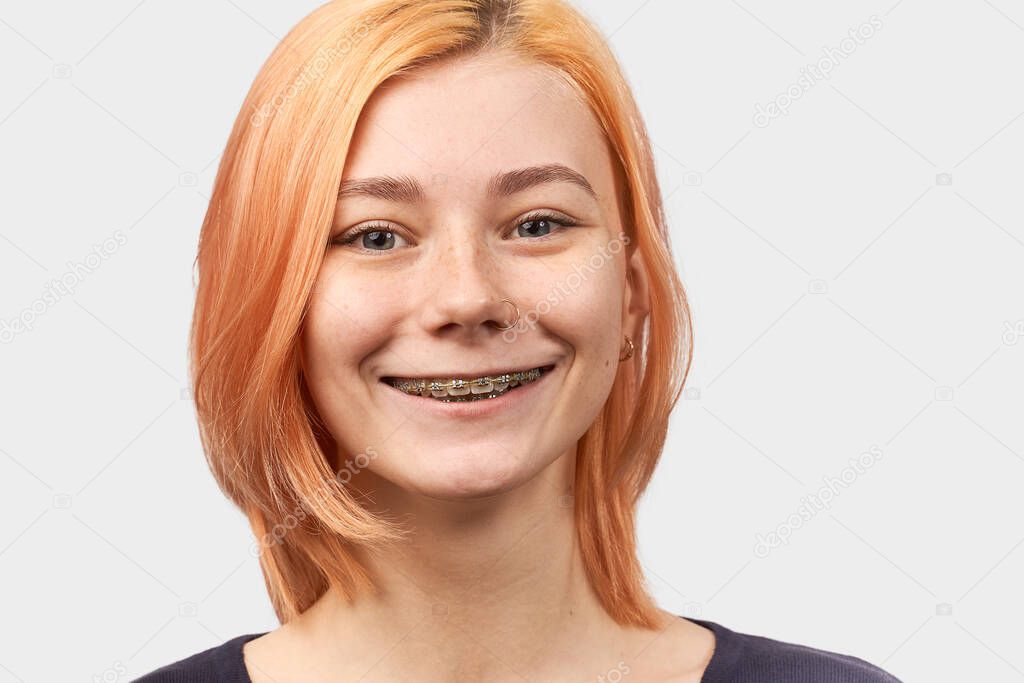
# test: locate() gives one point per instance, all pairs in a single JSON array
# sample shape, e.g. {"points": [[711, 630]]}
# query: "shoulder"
{"points": [[747, 657], [223, 662]]}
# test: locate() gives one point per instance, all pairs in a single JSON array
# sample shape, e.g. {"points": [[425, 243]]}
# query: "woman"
{"points": [[437, 338]]}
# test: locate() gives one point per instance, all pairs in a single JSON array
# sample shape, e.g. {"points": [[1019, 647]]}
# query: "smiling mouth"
{"points": [[459, 390]]}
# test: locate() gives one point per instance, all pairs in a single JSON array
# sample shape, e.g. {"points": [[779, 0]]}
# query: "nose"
{"points": [[468, 285]]}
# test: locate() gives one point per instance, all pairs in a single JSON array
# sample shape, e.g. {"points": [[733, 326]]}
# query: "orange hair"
{"points": [[262, 242]]}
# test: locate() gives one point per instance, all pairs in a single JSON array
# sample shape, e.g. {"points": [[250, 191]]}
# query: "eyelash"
{"points": [[562, 221]]}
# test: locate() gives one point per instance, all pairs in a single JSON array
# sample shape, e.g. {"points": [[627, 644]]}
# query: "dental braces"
{"points": [[423, 387]]}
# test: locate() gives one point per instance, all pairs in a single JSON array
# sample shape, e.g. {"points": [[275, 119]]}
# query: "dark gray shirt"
{"points": [[738, 658]]}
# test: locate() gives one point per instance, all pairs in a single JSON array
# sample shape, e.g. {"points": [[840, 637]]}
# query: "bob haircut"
{"points": [[263, 240]]}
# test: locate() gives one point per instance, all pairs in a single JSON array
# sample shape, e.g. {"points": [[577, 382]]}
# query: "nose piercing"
{"points": [[514, 322]]}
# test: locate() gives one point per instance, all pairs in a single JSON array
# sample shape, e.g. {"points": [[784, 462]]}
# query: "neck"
{"points": [[492, 588]]}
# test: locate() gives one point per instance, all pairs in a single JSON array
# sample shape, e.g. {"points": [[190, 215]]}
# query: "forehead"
{"points": [[471, 118]]}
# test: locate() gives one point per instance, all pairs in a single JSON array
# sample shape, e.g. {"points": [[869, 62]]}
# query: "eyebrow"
{"points": [[506, 184]]}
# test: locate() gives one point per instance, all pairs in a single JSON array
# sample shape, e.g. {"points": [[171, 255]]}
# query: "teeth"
{"points": [[482, 387]]}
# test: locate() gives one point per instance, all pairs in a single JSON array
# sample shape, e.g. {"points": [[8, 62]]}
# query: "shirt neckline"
{"points": [[238, 671], [723, 657]]}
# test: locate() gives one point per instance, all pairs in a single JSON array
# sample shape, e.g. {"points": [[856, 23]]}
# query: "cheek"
{"points": [[584, 310], [580, 301], [346, 320]]}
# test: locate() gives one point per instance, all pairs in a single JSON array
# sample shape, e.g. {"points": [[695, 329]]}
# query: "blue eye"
{"points": [[380, 238], [376, 238], [542, 221]]}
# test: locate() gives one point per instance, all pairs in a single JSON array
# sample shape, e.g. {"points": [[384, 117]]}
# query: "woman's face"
{"points": [[419, 294]]}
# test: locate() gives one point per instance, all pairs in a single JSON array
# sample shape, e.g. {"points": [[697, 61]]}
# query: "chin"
{"points": [[467, 474]]}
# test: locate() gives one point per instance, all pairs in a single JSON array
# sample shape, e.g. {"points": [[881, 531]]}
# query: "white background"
{"points": [[855, 268]]}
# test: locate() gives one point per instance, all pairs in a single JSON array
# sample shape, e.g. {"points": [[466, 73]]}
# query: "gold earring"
{"points": [[628, 351]]}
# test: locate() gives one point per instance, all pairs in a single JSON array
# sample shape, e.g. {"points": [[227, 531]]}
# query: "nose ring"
{"points": [[514, 322]]}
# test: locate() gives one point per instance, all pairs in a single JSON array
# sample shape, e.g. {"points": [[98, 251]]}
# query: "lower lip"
{"points": [[485, 407]]}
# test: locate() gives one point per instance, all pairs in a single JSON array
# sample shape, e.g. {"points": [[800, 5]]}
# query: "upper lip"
{"points": [[471, 375]]}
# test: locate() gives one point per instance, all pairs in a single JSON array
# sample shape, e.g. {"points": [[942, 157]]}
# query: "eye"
{"points": [[539, 224], [375, 238], [380, 238]]}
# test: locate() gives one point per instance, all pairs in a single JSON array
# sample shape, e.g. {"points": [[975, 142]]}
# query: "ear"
{"points": [[637, 295]]}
